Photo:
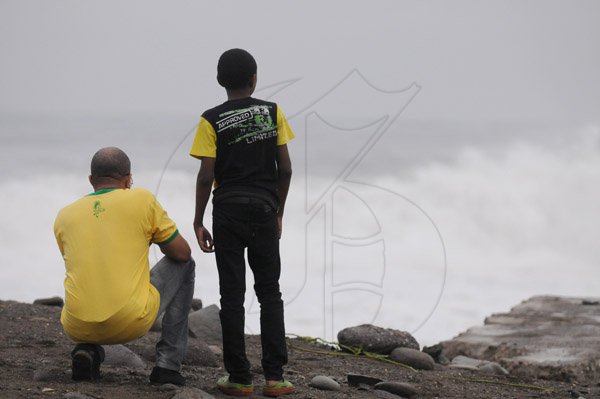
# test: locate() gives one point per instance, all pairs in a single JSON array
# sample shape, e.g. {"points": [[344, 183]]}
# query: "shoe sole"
{"points": [[235, 391], [278, 392], [82, 366]]}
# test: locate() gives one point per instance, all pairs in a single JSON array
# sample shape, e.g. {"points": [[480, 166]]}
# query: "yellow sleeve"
{"points": [[284, 132], [205, 142], [57, 235], [164, 229]]}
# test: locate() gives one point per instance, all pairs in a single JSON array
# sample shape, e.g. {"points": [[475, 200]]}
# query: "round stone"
{"points": [[413, 358], [397, 388], [324, 383]]}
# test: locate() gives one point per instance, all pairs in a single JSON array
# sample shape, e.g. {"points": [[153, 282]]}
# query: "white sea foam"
{"points": [[433, 251]]}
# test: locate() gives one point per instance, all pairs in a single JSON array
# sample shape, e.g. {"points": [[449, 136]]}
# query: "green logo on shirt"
{"points": [[98, 208]]}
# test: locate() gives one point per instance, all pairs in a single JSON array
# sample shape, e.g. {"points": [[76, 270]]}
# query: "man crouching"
{"points": [[111, 296]]}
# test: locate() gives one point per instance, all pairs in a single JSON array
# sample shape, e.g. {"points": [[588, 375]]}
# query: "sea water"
{"points": [[424, 226]]}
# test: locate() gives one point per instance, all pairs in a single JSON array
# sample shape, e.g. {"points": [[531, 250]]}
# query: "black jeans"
{"points": [[252, 225]]}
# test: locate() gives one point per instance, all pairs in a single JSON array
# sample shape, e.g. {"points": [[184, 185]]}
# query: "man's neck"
{"points": [[107, 187]]}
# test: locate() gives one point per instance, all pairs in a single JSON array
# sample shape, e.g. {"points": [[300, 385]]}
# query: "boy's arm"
{"points": [[284, 176], [204, 182]]}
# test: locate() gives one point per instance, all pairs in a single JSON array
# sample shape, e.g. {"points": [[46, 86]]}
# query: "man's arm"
{"points": [[177, 249], [204, 181], [284, 176]]}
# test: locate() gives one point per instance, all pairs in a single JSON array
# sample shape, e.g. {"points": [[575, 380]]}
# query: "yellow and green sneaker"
{"points": [[234, 389], [283, 387]]}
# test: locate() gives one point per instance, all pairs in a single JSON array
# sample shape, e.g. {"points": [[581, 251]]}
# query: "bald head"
{"points": [[110, 162]]}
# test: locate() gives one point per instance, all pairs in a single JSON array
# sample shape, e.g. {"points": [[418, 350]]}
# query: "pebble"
{"points": [[53, 301], [397, 388], [324, 383], [413, 358], [205, 324], [119, 355], [376, 339], [192, 393], [196, 304]]}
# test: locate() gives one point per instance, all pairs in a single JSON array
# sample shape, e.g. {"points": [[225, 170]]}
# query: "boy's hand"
{"points": [[204, 239]]}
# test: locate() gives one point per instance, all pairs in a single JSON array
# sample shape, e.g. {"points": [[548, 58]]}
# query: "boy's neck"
{"points": [[239, 93]]}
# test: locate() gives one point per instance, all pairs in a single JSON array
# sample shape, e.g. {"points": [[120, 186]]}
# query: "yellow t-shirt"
{"points": [[104, 239], [205, 141]]}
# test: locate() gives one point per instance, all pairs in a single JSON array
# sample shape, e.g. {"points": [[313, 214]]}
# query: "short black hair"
{"points": [[235, 69], [110, 162]]}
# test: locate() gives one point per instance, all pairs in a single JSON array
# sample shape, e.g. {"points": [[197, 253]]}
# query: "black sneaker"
{"points": [[161, 375], [86, 362]]}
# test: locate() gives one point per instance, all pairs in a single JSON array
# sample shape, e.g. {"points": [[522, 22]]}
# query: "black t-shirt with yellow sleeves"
{"points": [[243, 136]]}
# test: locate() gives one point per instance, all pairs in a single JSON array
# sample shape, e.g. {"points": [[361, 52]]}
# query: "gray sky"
{"points": [[533, 60]]}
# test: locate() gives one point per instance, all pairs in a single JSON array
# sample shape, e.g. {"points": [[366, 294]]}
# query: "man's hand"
{"points": [[204, 239]]}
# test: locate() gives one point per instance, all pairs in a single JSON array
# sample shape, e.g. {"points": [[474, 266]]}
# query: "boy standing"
{"points": [[242, 145]]}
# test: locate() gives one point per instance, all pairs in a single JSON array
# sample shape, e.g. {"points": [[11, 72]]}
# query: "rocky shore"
{"points": [[545, 347]]}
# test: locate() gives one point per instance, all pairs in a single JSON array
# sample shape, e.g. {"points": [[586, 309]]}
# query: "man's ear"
{"points": [[91, 179]]}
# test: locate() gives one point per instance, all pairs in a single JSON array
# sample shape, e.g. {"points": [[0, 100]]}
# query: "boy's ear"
{"points": [[252, 82]]}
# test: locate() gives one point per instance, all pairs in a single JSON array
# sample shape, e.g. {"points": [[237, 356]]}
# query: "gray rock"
{"points": [[168, 387], [356, 380], [324, 383], [45, 374], [205, 324], [462, 367], [467, 363], [192, 393], [53, 301], [443, 360], [148, 352], [77, 395], [435, 351], [196, 304], [376, 339], [413, 358], [199, 354], [493, 368], [121, 356], [545, 337], [397, 388], [386, 395]]}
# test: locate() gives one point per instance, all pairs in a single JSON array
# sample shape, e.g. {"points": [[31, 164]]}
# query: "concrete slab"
{"points": [[545, 337]]}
